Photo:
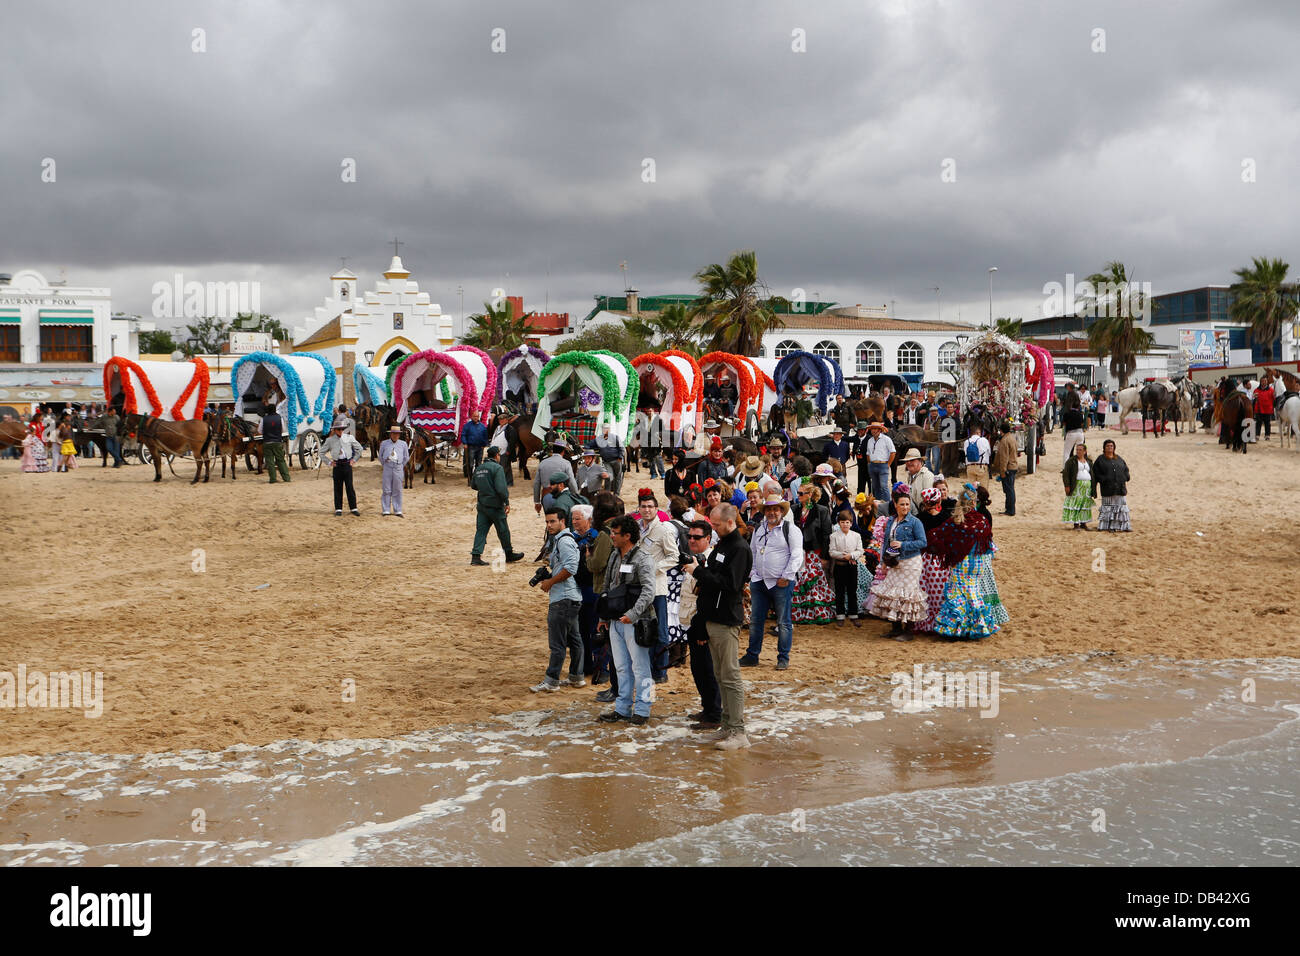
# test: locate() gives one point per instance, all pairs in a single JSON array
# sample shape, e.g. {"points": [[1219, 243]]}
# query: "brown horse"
{"points": [[521, 444], [424, 456], [373, 422], [12, 433], [1232, 408], [192, 437], [233, 437]]}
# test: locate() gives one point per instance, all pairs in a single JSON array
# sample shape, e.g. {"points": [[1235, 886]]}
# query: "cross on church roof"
{"points": [[395, 245]]}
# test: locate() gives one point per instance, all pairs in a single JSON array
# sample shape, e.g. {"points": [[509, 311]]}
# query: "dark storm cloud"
{"points": [[226, 164]]}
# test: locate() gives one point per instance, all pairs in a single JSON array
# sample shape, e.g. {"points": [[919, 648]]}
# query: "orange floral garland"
{"points": [[680, 392], [750, 391], [200, 380], [125, 367]]}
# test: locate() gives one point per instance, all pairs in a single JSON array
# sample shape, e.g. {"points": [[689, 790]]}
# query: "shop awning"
{"points": [[10, 316], [67, 317]]}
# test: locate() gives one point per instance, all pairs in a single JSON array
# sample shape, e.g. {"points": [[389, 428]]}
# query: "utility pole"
{"points": [[938, 303]]}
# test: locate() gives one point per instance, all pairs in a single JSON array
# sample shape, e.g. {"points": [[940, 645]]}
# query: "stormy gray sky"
{"points": [[225, 165]]}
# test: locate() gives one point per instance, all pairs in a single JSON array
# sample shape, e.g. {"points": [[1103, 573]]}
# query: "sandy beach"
{"points": [[101, 577]]}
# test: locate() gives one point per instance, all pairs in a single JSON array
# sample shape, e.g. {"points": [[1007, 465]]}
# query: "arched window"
{"points": [[911, 358], [828, 349], [785, 348], [869, 358], [948, 357]]}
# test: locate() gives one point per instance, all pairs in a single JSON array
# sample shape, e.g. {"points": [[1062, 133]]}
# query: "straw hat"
{"points": [[751, 467], [913, 454], [773, 501], [880, 425]]}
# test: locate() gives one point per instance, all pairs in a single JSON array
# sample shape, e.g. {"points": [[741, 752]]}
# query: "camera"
{"points": [[540, 575]]}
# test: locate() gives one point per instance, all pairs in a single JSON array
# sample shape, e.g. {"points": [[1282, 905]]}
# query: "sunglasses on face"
{"points": [[698, 537]]}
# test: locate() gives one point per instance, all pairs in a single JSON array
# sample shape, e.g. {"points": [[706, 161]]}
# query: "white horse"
{"points": [[1189, 402], [1287, 415]]}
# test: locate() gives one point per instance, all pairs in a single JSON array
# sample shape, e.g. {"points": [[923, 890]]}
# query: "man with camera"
{"points": [[628, 605], [721, 580], [562, 630]]}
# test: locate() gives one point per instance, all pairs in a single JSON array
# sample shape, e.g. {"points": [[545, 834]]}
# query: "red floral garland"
{"points": [[698, 392], [130, 405], [200, 380], [680, 392], [750, 390]]}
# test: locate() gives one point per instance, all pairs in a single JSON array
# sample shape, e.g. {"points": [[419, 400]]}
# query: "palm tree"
{"points": [[1264, 298], [1011, 328], [1114, 333], [671, 328], [733, 305], [497, 328]]}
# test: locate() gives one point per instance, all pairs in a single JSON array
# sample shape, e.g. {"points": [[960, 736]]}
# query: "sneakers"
{"points": [[577, 682], [477, 561], [748, 661], [783, 665], [734, 740], [544, 686], [512, 557], [637, 720], [613, 717], [606, 697]]}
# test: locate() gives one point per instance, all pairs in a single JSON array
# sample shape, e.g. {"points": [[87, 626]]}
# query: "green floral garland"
{"points": [[633, 390], [388, 377]]}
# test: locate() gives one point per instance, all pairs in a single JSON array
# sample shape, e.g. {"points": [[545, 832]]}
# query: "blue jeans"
{"points": [[633, 663], [1009, 489], [932, 458], [659, 657], [114, 449], [762, 597], [564, 636], [879, 475], [656, 464]]}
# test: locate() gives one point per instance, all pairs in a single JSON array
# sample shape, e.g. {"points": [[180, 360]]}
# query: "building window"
{"points": [[10, 347], [948, 357], [762, 351], [785, 348], [399, 321], [911, 358], [67, 343], [869, 358], [829, 349]]}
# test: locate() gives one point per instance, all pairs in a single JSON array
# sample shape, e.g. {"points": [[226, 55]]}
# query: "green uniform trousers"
{"points": [[491, 518], [273, 452]]}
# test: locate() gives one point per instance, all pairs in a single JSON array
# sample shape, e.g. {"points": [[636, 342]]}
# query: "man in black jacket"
{"points": [[721, 580]]}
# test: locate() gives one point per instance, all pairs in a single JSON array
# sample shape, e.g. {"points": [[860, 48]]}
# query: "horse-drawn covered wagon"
{"points": [[518, 373], [437, 393], [580, 393], [810, 377], [671, 385], [300, 387], [140, 391], [755, 392], [1000, 380]]}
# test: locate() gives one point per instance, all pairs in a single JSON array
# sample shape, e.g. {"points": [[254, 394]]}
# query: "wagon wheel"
{"points": [[142, 451], [309, 451], [751, 426]]}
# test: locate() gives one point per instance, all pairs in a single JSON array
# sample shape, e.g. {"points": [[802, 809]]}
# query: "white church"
{"points": [[376, 326]]}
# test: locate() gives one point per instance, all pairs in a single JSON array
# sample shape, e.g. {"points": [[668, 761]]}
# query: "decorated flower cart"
{"points": [[370, 385], [581, 392], [1000, 379], [518, 373], [299, 386], [673, 379], [441, 392], [816, 377], [755, 390]]}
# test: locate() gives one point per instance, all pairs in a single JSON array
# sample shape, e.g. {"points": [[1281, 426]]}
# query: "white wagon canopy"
{"points": [[369, 385], [442, 391], [172, 391], [518, 374], [299, 386], [599, 388]]}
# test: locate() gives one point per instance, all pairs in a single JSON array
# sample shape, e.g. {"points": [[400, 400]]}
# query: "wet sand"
{"points": [[100, 577], [1184, 769]]}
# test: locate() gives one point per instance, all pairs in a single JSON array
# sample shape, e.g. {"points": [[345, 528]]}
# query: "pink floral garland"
{"points": [[490, 385]]}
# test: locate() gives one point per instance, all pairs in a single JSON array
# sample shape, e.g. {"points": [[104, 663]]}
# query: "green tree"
{"points": [[1113, 332], [261, 322], [158, 343], [1263, 297], [733, 305], [671, 328], [212, 334], [611, 336], [1011, 328], [497, 328]]}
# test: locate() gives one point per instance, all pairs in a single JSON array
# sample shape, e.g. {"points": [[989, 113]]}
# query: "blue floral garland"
{"points": [[374, 385], [824, 390], [324, 407]]}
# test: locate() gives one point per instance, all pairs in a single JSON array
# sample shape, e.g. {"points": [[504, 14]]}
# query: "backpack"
{"points": [[973, 452], [785, 530]]}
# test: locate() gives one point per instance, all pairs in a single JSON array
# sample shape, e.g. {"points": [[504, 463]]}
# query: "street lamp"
{"points": [[370, 357], [460, 290], [992, 270]]}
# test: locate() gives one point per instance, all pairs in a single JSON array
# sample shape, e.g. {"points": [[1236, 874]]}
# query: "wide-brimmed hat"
{"points": [[590, 450], [914, 454], [338, 425], [711, 424], [559, 443], [776, 502], [776, 441], [824, 470], [837, 430], [877, 425], [394, 428], [751, 467], [861, 423]]}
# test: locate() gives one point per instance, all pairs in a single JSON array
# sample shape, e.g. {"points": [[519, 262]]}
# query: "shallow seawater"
{"points": [[1087, 759]]}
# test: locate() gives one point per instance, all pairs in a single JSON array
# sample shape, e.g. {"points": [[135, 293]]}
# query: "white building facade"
{"points": [[391, 321]]}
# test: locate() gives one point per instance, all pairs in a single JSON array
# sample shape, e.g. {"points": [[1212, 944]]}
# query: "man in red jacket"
{"points": [[1264, 411]]}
